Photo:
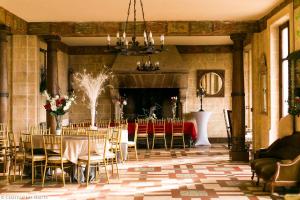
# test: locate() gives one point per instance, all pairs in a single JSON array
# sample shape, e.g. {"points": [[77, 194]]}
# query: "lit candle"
{"points": [[150, 34], [138, 63], [108, 39], [124, 35], [162, 39], [145, 34], [152, 41], [118, 35]]}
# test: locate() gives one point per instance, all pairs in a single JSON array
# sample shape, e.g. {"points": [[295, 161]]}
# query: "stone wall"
{"points": [[261, 120], [24, 82], [194, 62], [93, 64]]}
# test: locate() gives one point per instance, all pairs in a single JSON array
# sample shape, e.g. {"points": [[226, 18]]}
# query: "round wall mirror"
{"points": [[212, 81]]}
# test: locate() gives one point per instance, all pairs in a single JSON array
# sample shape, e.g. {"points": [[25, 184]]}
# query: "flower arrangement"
{"points": [[58, 105], [294, 108]]}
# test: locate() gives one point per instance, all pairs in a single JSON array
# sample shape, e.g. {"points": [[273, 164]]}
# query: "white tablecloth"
{"points": [[76, 146]]}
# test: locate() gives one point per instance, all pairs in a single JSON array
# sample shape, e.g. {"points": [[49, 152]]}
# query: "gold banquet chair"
{"points": [[30, 158], [97, 153], [159, 131], [142, 131], [115, 141], [16, 155], [4, 153], [177, 130], [54, 156]]}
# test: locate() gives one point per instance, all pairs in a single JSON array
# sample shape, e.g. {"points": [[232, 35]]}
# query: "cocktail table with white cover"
{"points": [[202, 121]]}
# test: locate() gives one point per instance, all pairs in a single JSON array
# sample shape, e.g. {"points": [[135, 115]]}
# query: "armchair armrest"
{"points": [[288, 171]]}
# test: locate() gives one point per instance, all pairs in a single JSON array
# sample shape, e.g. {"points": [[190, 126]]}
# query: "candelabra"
{"points": [[174, 106], [201, 93]]}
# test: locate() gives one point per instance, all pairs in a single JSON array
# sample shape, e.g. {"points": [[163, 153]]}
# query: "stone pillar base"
{"points": [[239, 156]]}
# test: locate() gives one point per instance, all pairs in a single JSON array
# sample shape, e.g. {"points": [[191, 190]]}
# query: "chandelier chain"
{"points": [[133, 47], [143, 15], [134, 21], [128, 13]]}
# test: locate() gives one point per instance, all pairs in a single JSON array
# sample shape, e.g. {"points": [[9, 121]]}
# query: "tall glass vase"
{"points": [[58, 119], [93, 113]]}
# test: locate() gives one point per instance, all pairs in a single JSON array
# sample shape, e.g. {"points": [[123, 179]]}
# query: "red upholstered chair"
{"points": [[177, 130], [159, 131], [142, 130]]}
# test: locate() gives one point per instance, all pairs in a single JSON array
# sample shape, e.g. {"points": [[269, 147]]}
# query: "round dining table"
{"points": [[74, 146]]}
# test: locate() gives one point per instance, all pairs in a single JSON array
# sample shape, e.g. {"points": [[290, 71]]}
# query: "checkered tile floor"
{"points": [[196, 173]]}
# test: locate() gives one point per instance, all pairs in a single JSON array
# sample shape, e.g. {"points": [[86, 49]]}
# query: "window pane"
{"points": [[285, 87], [285, 42]]}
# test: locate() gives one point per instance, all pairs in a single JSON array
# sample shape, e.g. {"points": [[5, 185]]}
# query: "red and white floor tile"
{"points": [[197, 173]]}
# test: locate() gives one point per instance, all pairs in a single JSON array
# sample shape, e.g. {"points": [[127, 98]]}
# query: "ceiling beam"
{"points": [[17, 25], [169, 28]]}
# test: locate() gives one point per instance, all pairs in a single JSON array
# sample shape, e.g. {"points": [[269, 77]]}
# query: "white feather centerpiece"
{"points": [[93, 86]]}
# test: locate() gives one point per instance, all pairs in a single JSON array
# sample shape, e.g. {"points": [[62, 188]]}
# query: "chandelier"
{"points": [[147, 65], [133, 47]]}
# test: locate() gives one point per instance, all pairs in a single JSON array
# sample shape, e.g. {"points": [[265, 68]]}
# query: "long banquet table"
{"points": [[189, 129]]}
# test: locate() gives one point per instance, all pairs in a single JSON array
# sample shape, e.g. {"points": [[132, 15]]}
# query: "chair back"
{"points": [[3, 127], [3, 131], [12, 143], [69, 131], [115, 135], [26, 139], [142, 127], [159, 127], [81, 131], [37, 130], [97, 140], [177, 126], [122, 123], [136, 127], [103, 124], [52, 145]]}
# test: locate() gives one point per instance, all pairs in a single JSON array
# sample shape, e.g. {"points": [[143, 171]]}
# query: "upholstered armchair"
{"points": [[287, 173], [279, 164]]}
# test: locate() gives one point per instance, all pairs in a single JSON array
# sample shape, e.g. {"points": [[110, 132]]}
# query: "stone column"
{"points": [[238, 150], [52, 73], [4, 30]]}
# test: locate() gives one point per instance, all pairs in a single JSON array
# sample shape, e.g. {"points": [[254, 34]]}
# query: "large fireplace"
{"points": [[141, 101]]}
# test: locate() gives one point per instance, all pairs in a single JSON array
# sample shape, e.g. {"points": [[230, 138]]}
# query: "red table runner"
{"points": [[189, 129]]}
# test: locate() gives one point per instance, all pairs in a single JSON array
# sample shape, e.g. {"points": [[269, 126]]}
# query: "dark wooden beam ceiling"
{"points": [[16, 24], [169, 28]]}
